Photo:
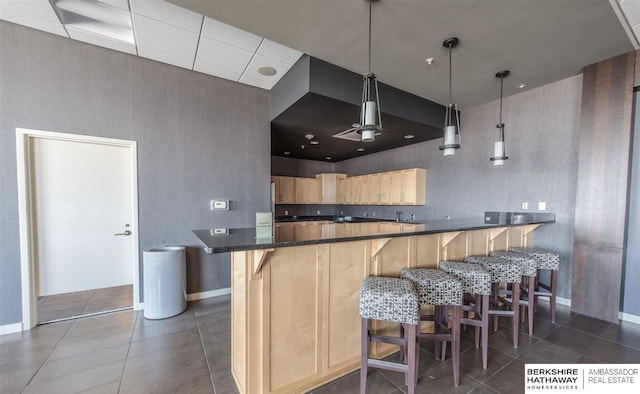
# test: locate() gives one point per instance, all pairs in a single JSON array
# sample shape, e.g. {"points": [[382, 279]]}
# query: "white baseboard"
{"points": [[629, 317], [139, 306], [621, 315], [10, 328], [208, 294]]}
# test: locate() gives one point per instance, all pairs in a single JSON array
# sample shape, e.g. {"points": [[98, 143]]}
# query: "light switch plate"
{"points": [[216, 205], [542, 206]]}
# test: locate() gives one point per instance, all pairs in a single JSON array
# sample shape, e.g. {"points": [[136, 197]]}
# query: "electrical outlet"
{"points": [[286, 213], [525, 206], [542, 206], [216, 205]]}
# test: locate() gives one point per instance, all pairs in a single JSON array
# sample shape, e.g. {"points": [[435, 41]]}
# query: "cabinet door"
{"points": [[341, 191], [374, 189], [348, 191], [301, 186], [278, 196], [287, 195], [357, 189], [315, 191], [414, 186], [365, 190], [395, 188], [385, 188]]}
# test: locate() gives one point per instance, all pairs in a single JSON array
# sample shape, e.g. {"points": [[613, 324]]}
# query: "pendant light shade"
{"points": [[370, 119], [452, 134], [499, 154]]}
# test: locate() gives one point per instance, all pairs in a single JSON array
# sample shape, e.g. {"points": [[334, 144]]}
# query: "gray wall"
{"points": [[631, 303], [199, 138], [541, 137]]}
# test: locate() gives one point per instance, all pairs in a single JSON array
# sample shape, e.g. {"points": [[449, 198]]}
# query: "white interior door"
{"points": [[82, 197]]}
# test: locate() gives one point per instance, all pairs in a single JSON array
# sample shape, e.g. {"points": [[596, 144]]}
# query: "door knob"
{"points": [[127, 233]]}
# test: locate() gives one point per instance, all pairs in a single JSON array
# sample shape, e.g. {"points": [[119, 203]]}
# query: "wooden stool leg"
{"points": [[485, 330], [477, 312], [525, 281], [496, 291], [364, 362], [436, 326], [515, 295], [552, 299], [444, 324], [455, 345], [531, 303], [412, 370]]}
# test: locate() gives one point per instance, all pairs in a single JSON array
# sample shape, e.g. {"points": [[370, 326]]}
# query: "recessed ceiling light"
{"points": [[287, 153], [521, 85], [429, 61], [314, 142], [267, 71], [328, 157], [409, 136], [360, 149], [309, 136]]}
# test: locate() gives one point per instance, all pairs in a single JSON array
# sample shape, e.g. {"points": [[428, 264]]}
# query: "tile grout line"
{"points": [[48, 355], [204, 351], [126, 358]]}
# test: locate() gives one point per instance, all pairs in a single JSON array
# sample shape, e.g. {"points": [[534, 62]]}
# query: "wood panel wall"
{"points": [[601, 198]]}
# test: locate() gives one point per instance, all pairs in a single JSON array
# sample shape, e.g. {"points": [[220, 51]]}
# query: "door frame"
{"points": [[26, 217]]}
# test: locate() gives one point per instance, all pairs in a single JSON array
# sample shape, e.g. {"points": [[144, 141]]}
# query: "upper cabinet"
{"points": [[402, 187]]}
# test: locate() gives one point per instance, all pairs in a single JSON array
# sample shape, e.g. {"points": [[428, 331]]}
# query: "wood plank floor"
{"points": [[122, 352]]}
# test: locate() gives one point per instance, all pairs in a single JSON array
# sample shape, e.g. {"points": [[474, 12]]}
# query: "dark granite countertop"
{"points": [[239, 239]]}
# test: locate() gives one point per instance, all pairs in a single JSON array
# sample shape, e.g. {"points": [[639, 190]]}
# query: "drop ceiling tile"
{"points": [[217, 54], [40, 9], [259, 61], [163, 38], [279, 52], [165, 58], [32, 22], [256, 82], [169, 13], [230, 35], [631, 10], [124, 4], [216, 72], [102, 41]]}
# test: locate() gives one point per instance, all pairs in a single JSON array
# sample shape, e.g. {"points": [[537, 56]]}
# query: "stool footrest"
{"points": [[388, 365], [387, 339], [500, 313]]}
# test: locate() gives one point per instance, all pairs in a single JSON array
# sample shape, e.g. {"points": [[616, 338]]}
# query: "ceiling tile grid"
{"points": [[166, 33], [36, 14]]}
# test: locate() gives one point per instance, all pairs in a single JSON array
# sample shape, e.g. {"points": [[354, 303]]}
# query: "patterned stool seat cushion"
{"points": [[475, 278], [434, 287], [546, 260], [501, 269], [389, 299], [528, 263]]}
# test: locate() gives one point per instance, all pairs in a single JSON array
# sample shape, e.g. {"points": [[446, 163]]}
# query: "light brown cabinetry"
{"points": [[402, 187], [284, 189]]}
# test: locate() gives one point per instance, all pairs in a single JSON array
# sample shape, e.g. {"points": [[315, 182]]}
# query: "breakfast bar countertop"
{"points": [[240, 239]]}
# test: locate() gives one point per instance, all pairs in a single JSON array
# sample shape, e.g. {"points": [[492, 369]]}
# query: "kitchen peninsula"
{"points": [[295, 323]]}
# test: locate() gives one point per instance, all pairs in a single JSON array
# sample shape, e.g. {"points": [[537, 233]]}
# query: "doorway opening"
{"points": [[78, 225]]}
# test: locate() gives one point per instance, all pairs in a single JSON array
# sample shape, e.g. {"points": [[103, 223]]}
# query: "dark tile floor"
{"points": [[79, 303], [124, 353]]}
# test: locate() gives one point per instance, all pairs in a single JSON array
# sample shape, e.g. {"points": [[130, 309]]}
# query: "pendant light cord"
{"points": [[370, 1], [450, 83], [501, 86]]}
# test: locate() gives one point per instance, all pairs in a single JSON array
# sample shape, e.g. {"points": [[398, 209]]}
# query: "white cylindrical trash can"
{"points": [[165, 281]]}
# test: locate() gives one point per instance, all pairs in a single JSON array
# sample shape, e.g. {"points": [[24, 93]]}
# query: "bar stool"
{"points": [[529, 272], [443, 291], [393, 300], [545, 260], [475, 281], [502, 271]]}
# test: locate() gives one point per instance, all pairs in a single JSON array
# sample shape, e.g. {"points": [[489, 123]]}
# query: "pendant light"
{"points": [[370, 118], [499, 155], [451, 118]]}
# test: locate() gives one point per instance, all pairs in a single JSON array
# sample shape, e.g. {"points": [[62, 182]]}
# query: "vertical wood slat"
{"points": [[601, 195]]}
